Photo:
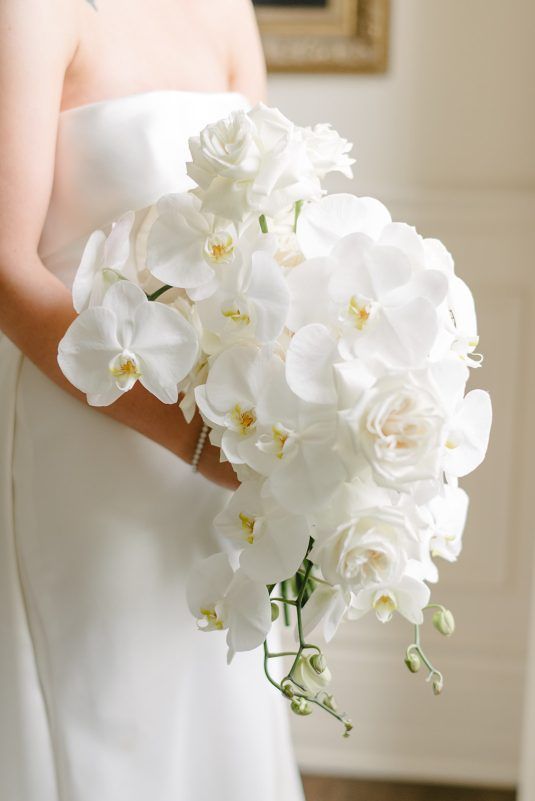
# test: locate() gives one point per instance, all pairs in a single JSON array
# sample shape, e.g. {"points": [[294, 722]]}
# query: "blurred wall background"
{"points": [[446, 138]]}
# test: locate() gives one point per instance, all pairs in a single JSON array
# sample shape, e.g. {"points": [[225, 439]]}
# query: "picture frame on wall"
{"points": [[324, 35]]}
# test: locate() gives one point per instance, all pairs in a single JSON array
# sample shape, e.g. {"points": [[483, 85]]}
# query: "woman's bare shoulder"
{"points": [[23, 23], [247, 67]]}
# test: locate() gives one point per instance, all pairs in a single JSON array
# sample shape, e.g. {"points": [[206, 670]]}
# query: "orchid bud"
{"points": [[438, 684], [444, 622], [274, 612], [330, 703], [288, 690], [413, 662], [318, 663], [348, 727], [308, 676], [300, 706]]}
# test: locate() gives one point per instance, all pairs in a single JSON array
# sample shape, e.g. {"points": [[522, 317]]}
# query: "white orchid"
{"points": [[325, 609], [236, 382], [446, 513], [222, 599], [186, 245], [368, 295], [271, 541], [408, 596], [323, 223], [251, 302], [127, 339], [295, 447], [103, 259]]}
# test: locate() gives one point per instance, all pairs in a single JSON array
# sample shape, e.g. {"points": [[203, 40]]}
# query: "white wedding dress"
{"points": [[108, 692]]}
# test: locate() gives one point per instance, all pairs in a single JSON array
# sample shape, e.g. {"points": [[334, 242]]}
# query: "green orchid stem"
{"points": [[416, 647], [284, 601], [263, 224], [297, 211], [279, 686], [315, 579], [285, 610], [155, 295], [287, 686]]}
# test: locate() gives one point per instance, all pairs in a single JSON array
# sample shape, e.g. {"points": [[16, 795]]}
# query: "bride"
{"points": [[107, 691]]}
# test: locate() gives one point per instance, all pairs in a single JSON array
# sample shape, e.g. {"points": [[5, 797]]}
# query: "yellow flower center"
{"points": [[245, 419], [247, 524], [211, 617], [237, 316], [359, 312], [219, 248], [280, 438], [127, 369], [385, 606]]}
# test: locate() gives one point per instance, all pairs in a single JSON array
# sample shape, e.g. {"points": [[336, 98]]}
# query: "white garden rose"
{"points": [[399, 426], [328, 151], [373, 546], [253, 162]]}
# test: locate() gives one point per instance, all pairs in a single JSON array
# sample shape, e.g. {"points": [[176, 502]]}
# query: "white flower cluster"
{"points": [[328, 349]]}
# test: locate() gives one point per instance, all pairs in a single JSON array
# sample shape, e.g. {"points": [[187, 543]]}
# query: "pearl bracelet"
{"points": [[199, 447]]}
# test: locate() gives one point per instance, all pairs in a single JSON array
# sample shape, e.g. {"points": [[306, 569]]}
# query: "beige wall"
{"points": [[456, 107], [446, 137]]}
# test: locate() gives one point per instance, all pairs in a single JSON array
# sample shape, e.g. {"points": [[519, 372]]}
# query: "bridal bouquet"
{"points": [[328, 350]]}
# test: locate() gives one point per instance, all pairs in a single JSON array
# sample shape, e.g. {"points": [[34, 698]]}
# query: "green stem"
{"points": [[285, 610], [284, 601], [155, 295], [263, 224], [297, 211]]}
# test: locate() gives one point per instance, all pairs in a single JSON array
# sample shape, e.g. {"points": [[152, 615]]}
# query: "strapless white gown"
{"points": [[107, 690]]}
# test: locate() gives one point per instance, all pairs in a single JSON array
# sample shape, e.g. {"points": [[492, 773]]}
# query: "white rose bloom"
{"points": [[399, 426], [328, 151], [221, 600], [102, 261], [127, 339], [371, 547], [252, 162], [186, 245], [272, 542], [408, 596]]}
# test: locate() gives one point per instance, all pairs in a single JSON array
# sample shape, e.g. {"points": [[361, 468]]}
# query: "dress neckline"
{"points": [[136, 96]]}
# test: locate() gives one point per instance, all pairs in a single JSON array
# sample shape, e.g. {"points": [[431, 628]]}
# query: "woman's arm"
{"points": [[37, 43]]}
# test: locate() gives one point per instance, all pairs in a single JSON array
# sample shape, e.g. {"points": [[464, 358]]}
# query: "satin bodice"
{"points": [[118, 155]]}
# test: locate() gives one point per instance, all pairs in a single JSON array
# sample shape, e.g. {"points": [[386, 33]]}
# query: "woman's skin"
{"points": [[59, 54]]}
